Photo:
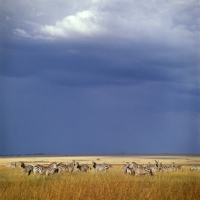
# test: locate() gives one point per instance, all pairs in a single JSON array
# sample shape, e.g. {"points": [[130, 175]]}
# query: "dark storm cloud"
{"points": [[81, 76]]}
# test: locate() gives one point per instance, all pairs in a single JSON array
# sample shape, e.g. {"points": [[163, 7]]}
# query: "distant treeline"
{"points": [[35, 154]]}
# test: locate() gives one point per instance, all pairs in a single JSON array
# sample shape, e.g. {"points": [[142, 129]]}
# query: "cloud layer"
{"points": [[124, 74], [172, 22]]}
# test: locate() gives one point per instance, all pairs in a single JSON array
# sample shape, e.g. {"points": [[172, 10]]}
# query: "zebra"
{"points": [[11, 165], [50, 169], [82, 168], [154, 168], [152, 165], [101, 167], [178, 168], [66, 167], [167, 168], [139, 170], [126, 169], [193, 167], [28, 168], [146, 165]]}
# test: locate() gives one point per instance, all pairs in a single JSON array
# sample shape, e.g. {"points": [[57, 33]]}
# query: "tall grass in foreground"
{"points": [[112, 185]]}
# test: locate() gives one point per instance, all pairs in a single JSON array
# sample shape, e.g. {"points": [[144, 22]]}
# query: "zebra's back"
{"points": [[101, 167]]}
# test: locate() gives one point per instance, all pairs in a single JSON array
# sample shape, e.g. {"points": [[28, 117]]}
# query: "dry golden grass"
{"points": [[92, 185]]}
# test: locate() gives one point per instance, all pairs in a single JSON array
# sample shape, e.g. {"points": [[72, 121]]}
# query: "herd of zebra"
{"points": [[134, 168], [129, 168], [57, 168]]}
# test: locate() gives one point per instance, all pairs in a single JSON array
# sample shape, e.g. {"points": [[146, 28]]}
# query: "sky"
{"points": [[99, 77]]}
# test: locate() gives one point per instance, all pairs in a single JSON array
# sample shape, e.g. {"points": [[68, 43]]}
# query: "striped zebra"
{"points": [[26, 169], [193, 167], [178, 168], [11, 165], [146, 165], [50, 169], [82, 168], [101, 167], [153, 167], [66, 167], [126, 169], [167, 168], [138, 170]]}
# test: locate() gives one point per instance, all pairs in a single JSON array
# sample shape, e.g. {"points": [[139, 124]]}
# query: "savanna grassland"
{"points": [[100, 185]]}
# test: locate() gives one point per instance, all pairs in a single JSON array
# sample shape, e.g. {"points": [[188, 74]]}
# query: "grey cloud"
{"points": [[134, 20], [188, 17], [138, 79]]}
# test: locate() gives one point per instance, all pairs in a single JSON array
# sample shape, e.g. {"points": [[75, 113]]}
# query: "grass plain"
{"points": [[100, 185]]}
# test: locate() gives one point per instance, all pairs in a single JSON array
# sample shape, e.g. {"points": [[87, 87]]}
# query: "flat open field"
{"points": [[100, 185], [112, 159]]}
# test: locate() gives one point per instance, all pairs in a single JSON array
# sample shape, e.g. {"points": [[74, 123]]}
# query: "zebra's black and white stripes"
{"points": [[126, 169], [195, 167], [66, 167], [101, 167], [26, 169], [50, 169], [177, 168], [82, 168], [139, 170]]}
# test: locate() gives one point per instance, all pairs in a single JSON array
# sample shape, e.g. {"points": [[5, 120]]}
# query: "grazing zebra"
{"points": [[139, 170], [66, 167], [11, 165], [126, 169], [101, 167], [193, 167], [50, 169], [82, 168], [28, 168]]}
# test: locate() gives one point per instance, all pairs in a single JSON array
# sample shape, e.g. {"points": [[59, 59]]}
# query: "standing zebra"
{"points": [[82, 168], [28, 168], [193, 167], [50, 169], [66, 167], [177, 168], [167, 168], [154, 168], [139, 170], [101, 167], [11, 165], [126, 169]]}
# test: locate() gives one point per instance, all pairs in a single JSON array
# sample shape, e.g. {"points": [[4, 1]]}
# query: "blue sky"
{"points": [[99, 77]]}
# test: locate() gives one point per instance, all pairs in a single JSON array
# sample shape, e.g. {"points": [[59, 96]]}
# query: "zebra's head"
{"points": [[73, 162], [157, 162], [127, 164], [54, 165], [22, 164], [94, 164]]}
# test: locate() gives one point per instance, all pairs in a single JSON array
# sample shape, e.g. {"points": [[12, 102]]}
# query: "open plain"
{"points": [[100, 185]]}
